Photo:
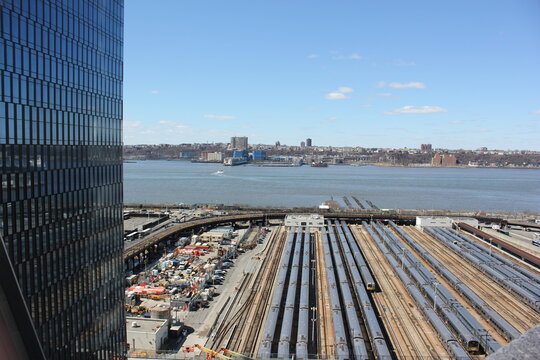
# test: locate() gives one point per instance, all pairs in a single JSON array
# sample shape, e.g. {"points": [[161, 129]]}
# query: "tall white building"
{"points": [[239, 143]]}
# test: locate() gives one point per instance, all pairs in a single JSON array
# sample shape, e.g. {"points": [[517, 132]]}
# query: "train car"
{"points": [[455, 315], [370, 284], [414, 287], [302, 336], [272, 319], [467, 339], [340, 347], [288, 313], [368, 278], [302, 349], [303, 312], [265, 351], [503, 327], [380, 349], [355, 332], [284, 348], [494, 269], [342, 350]]}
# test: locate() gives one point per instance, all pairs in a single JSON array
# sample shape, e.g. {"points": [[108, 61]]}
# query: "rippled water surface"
{"points": [[387, 187]]}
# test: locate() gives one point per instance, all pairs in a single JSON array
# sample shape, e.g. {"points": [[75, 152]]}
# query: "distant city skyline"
{"points": [[431, 147], [384, 74]]}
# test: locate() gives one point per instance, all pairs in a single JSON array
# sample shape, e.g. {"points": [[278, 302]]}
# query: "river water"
{"points": [[387, 187]]}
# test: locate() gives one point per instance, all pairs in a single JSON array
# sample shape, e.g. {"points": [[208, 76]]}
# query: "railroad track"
{"points": [[326, 330], [262, 291], [227, 324], [367, 337], [500, 252], [240, 332], [477, 316], [247, 337], [411, 334], [513, 309]]}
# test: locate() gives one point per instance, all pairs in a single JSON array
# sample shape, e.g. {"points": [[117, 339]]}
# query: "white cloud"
{"points": [[345, 89], [455, 122], [313, 56], [409, 109], [334, 95], [536, 112], [415, 85], [331, 119], [218, 117], [366, 105], [347, 57], [154, 92], [339, 94], [175, 125], [380, 84], [384, 94]]}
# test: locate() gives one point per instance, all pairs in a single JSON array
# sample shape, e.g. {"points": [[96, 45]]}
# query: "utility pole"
{"points": [[313, 320]]}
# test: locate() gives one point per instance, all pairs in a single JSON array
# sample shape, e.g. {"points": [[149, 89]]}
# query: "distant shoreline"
{"points": [[421, 166], [450, 167]]}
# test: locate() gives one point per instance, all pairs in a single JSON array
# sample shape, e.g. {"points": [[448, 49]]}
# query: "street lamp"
{"points": [[313, 320]]}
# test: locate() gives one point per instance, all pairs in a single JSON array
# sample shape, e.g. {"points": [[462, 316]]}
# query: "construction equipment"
{"points": [[135, 309], [217, 354], [233, 353], [211, 353]]}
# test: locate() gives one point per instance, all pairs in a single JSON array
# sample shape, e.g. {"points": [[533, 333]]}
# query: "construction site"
{"points": [[334, 289]]}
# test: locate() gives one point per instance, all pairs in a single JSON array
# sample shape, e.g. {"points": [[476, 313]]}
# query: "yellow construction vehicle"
{"points": [[233, 353], [211, 353], [217, 354]]}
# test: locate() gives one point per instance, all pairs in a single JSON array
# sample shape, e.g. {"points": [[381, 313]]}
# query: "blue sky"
{"points": [[457, 74]]}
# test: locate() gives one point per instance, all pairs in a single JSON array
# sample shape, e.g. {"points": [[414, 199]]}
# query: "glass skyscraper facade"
{"points": [[61, 169]]}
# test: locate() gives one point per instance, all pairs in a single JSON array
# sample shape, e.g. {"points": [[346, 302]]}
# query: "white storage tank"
{"points": [[433, 221]]}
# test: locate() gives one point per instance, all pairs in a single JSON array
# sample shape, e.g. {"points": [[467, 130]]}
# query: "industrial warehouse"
{"points": [[310, 287]]}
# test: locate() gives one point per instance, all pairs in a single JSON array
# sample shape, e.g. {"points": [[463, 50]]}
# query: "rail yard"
{"points": [[377, 290]]}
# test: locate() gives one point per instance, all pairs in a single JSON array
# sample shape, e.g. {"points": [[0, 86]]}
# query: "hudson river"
{"points": [[387, 187]]}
